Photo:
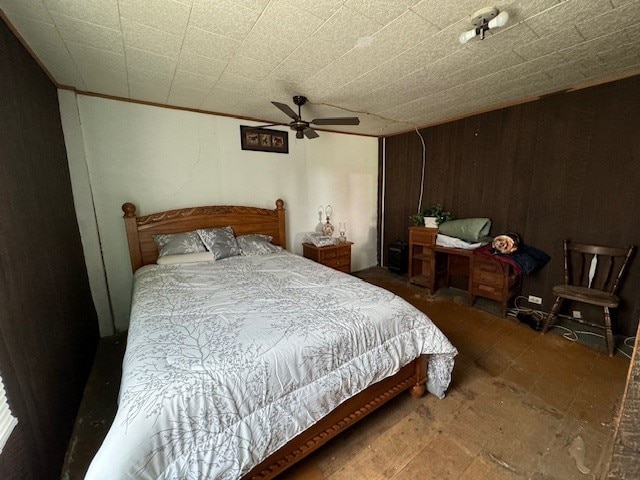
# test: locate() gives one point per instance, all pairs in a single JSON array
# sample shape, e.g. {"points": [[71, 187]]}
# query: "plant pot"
{"points": [[430, 222]]}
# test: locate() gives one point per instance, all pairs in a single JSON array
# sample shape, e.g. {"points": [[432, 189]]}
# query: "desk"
{"points": [[487, 277]]}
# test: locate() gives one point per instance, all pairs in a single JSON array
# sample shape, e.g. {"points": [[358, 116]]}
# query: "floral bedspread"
{"points": [[227, 361]]}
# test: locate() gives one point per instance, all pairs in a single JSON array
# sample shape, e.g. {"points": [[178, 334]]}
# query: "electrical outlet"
{"points": [[577, 314], [534, 299]]}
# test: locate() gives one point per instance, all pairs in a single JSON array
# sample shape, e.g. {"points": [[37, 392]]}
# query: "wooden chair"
{"points": [[596, 280]]}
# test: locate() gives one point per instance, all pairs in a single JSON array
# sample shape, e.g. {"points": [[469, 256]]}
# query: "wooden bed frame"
{"points": [[143, 251]]}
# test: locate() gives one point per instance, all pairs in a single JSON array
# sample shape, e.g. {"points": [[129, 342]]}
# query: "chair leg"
{"points": [[552, 315], [608, 331]]}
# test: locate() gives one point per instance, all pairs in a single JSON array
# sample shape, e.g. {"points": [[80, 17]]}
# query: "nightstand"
{"points": [[336, 256]]}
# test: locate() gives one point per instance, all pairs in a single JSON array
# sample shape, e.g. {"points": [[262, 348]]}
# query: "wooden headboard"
{"points": [[243, 220]]}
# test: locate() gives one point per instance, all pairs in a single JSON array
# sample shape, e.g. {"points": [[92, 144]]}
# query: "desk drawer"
{"points": [[488, 278], [426, 236], [487, 265], [487, 291]]}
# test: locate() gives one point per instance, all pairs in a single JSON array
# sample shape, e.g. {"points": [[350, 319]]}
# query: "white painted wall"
{"points": [[162, 158]]}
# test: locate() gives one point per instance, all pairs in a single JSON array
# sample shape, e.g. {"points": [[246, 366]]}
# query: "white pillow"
{"points": [[186, 258]]}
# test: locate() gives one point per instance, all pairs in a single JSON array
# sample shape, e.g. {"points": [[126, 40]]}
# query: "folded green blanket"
{"points": [[468, 229]]}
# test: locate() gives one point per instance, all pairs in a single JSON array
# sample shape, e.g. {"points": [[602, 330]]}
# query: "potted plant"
{"points": [[436, 212]]}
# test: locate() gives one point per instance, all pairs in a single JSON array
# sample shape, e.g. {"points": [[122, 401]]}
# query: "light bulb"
{"points": [[466, 36], [500, 21]]}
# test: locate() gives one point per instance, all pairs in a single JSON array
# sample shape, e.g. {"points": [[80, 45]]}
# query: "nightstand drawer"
{"points": [[336, 256], [338, 262], [328, 254]]}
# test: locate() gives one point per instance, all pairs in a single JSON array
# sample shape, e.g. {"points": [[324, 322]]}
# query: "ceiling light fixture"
{"points": [[484, 20]]}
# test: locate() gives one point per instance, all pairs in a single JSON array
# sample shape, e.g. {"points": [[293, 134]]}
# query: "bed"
{"points": [[240, 367]]}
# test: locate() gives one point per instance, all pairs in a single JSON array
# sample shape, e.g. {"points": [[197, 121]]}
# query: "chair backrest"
{"points": [[595, 266]]}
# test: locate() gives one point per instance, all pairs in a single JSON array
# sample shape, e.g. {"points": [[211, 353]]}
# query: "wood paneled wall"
{"points": [[565, 166], [48, 325]]}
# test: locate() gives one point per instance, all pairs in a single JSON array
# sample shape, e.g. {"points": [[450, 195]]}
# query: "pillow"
{"points": [[178, 243], [220, 241], [468, 229], [256, 244], [186, 258]]}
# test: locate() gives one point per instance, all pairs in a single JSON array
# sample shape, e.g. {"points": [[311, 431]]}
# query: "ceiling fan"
{"points": [[302, 127]]}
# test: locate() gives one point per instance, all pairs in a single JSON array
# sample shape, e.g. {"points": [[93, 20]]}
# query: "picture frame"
{"points": [[264, 139]]}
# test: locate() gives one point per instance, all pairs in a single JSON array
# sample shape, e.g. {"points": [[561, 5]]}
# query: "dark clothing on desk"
{"points": [[524, 260]]}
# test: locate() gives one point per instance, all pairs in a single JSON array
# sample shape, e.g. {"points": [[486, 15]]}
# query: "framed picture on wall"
{"points": [[264, 140]]}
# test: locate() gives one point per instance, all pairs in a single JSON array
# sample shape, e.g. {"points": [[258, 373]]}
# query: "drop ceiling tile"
{"points": [[148, 93], [321, 8], [566, 14], [266, 49], [193, 81], [611, 20], [295, 70], [90, 34], [223, 18], [34, 10], [100, 12], [37, 32], [185, 101], [181, 91], [194, 63], [318, 53], [151, 78], [445, 14], [589, 49], [150, 39], [209, 44], [381, 11], [624, 54], [619, 3], [633, 32], [89, 55], [285, 21], [228, 81], [552, 60], [221, 100], [255, 5], [249, 68], [166, 15], [346, 27], [103, 80], [150, 61], [278, 89], [567, 73], [64, 70], [551, 43], [405, 32]]}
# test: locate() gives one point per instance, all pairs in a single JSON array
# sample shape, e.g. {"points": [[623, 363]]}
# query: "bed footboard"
{"points": [[412, 377]]}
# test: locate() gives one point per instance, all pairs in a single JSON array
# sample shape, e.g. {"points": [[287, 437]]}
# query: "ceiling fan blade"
{"points": [[286, 109], [310, 133], [270, 125], [336, 121]]}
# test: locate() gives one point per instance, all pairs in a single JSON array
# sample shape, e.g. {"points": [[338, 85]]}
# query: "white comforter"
{"points": [[228, 361]]}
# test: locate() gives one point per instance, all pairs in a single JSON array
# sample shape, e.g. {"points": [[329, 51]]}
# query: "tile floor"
{"points": [[520, 406]]}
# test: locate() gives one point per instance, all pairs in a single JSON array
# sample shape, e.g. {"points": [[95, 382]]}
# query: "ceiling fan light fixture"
{"points": [[483, 21]]}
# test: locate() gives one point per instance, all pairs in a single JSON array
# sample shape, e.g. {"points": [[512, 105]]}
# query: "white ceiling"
{"points": [[397, 63]]}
